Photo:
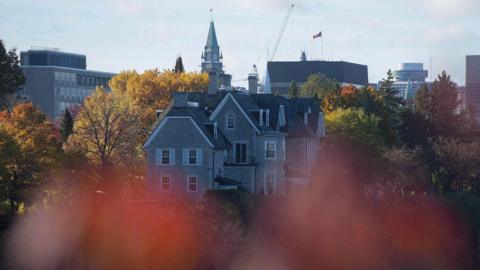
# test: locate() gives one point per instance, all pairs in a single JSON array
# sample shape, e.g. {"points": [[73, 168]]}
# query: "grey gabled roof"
{"points": [[250, 103], [299, 71], [221, 142]]}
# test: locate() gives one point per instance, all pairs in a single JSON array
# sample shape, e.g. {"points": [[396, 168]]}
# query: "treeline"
{"points": [[96, 146]]}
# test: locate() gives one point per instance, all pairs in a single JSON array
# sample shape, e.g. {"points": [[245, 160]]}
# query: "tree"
{"points": [[106, 131], [67, 125], [153, 90], [445, 106], [459, 165], [31, 149], [318, 85], [11, 75], [391, 103], [293, 90], [355, 126], [10, 156], [355, 141], [349, 96], [423, 102], [405, 171], [179, 65]]}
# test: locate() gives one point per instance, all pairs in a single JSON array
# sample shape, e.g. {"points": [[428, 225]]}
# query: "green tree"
{"points": [[445, 115], [391, 108], [293, 90], [355, 126], [179, 65], [318, 85], [35, 149], [405, 171], [67, 125], [11, 76], [459, 165], [423, 102], [10, 158]]}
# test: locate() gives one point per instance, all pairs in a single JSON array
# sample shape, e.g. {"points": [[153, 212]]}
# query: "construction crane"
{"points": [[266, 88], [280, 34]]}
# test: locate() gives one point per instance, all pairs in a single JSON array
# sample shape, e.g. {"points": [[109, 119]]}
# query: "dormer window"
{"points": [[230, 121]]}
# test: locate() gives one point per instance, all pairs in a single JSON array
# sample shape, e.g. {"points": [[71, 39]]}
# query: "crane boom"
{"points": [[282, 30]]}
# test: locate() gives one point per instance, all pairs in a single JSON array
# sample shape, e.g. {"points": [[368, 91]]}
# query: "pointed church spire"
{"points": [[212, 58], [212, 37]]}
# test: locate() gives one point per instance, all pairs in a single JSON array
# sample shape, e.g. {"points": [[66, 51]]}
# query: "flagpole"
{"points": [[321, 45]]}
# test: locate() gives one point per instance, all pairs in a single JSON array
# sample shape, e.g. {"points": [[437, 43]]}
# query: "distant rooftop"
{"points": [[40, 56], [411, 66], [299, 71]]}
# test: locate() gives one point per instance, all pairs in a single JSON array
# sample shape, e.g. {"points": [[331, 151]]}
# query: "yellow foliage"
{"points": [[153, 89], [106, 130]]}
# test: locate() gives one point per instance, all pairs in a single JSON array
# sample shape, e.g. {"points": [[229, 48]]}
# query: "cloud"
{"points": [[127, 7], [450, 33], [267, 5], [449, 8]]}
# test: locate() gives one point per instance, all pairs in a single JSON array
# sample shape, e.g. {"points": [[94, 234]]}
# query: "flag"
{"points": [[317, 35]]}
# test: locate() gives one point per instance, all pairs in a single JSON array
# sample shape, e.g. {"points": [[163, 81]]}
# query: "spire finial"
{"points": [[211, 14]]}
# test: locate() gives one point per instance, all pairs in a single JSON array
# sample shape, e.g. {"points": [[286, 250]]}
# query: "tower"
{"points": [[211, 56]]}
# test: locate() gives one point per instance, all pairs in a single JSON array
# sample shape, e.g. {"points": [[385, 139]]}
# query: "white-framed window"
{"points": [[230, 121], [192, 156], [165, 183], [165, 156], [270, 149], [240, 152], [192, 183], [269, 183]]}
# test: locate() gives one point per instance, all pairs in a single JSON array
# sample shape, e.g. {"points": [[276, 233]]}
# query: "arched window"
{"points": [[230, 121]]}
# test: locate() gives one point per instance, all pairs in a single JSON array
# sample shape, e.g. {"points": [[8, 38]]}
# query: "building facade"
{"points": [[281, 74], [472, 80], [57, 80], [409, 78], [227, 140]]}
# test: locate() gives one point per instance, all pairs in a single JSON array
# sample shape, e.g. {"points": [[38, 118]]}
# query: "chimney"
{"points": [[253, 81], [180, 99], [158, 113], [212, 82]]}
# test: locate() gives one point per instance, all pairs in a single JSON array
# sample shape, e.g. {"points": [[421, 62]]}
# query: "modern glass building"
{"points": [[58, 80], [410, 77]]}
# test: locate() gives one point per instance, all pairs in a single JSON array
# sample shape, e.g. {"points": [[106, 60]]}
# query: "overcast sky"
{"points": [[127, 34]]}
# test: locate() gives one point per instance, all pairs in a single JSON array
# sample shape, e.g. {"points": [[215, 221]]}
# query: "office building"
{"points": [[472, 80], [57, 80], [281, 74]]}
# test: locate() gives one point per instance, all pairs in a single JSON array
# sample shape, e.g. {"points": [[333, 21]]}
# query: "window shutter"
{"points": [[199, 156], [158, 156], [172, 156], [185, 156]]}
